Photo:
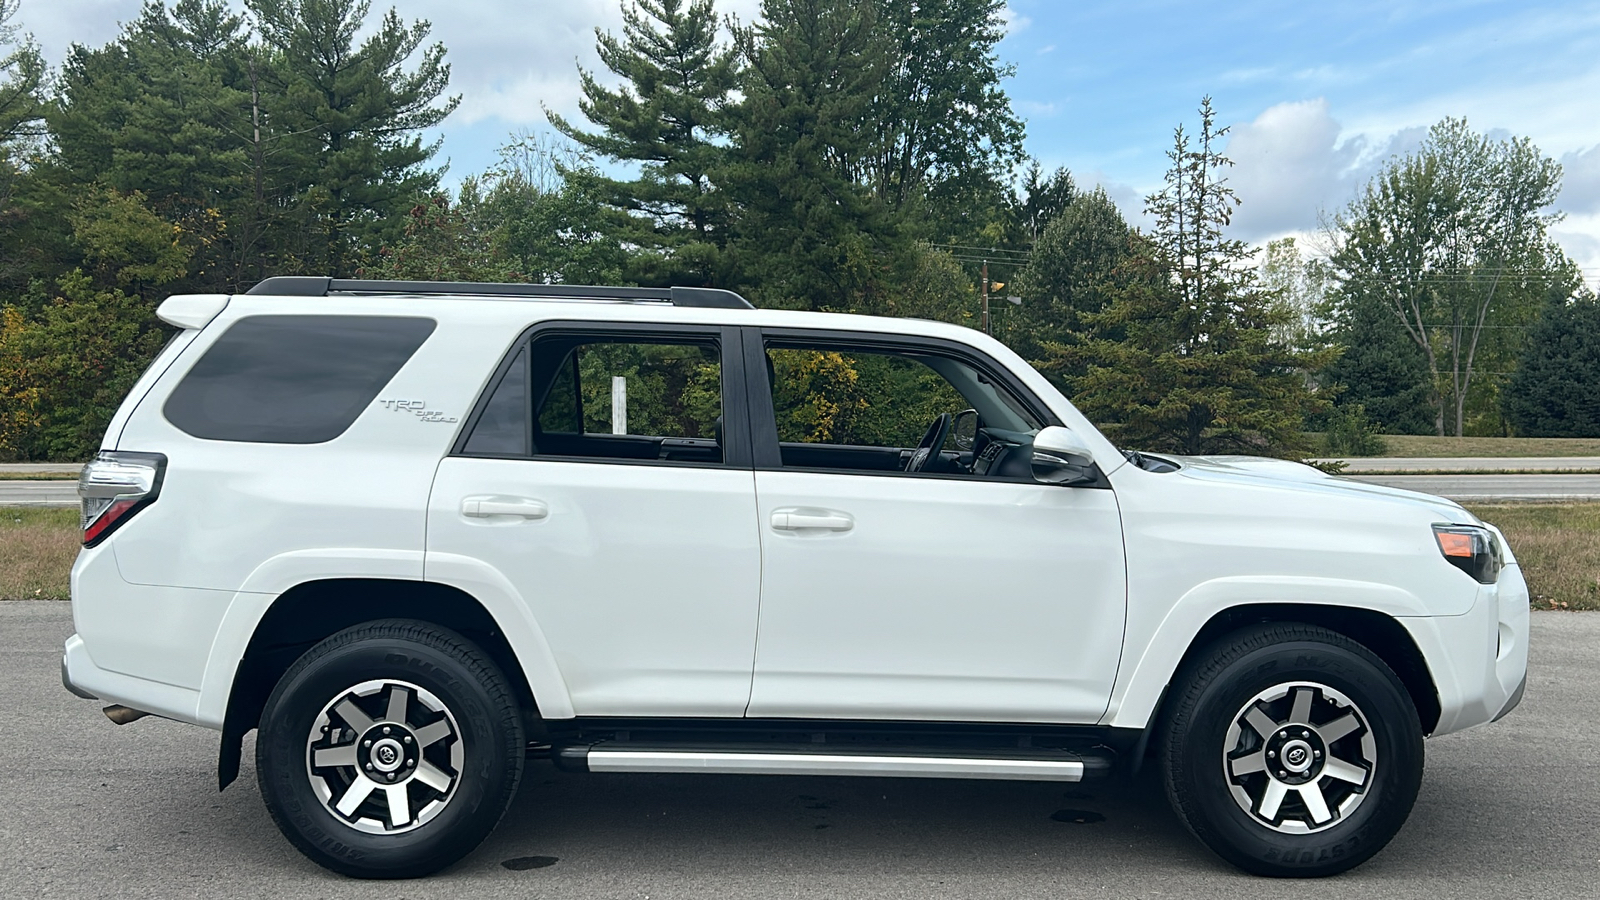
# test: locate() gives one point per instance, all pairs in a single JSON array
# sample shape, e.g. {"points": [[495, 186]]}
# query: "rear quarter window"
{"points": [[292, 379]]}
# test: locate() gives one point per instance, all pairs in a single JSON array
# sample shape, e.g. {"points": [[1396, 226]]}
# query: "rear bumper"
{"points": [[81, 676], [66, 681]]}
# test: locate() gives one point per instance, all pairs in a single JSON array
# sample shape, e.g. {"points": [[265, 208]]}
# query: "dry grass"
{"points": [[37, 547], [1558, 546], [1417, 445]]}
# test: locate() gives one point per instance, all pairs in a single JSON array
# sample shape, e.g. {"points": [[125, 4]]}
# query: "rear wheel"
{"points": [[1292, 751], [390, 750]]}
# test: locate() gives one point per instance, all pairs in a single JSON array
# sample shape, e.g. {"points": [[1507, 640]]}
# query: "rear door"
{"points": [[607, 476]]}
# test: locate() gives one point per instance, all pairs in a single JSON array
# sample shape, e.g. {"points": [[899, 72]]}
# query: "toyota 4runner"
{"points": [[414, 534]]}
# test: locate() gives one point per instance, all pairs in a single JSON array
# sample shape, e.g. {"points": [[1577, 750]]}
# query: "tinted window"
{"points": [[292, 379], [607, 398], [502, 430]]}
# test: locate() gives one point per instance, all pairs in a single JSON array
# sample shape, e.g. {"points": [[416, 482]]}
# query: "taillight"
{"points": [[114, 486], [1471, 549]]}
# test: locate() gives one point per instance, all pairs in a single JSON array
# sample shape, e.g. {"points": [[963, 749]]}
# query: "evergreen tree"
{"points": [[1556, 389], [1069, 273], [809, 232], [22, 74], [1043, 198], [668, 118], [1379, 367], [354, 113], [1184, 357], [158, 112]]}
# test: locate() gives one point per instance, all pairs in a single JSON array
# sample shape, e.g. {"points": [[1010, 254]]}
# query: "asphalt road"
{"points": [[94, 810], [1481, 488], [1474, 464]]}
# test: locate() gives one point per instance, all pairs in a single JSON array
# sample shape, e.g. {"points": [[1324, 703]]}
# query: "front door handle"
{"points": [[811, 520], [484, 507]]}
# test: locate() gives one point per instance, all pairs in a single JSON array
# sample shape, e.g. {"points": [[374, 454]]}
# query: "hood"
{"points": [[1291, 475]]}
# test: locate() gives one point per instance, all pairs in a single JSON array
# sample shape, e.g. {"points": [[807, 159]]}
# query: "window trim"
{"points": [[765, 446], [729, 340]]}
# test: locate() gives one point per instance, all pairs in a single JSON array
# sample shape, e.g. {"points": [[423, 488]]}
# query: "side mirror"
{"points": [[1061, 457]]}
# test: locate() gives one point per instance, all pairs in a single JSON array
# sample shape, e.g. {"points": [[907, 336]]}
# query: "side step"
{"points": [[1032, 767]]}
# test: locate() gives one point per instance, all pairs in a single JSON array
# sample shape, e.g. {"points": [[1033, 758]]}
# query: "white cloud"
{"points": [[1015, 23], [1294, 164], [1580, 181], [1288, 164]]}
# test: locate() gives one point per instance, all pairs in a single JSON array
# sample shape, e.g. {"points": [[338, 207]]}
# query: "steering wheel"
{"points": [[932, 443]]}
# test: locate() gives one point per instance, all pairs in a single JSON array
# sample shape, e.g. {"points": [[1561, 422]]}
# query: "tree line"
{"points": [[845, 155]]}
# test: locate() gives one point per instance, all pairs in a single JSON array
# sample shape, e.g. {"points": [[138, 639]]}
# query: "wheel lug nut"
{"points": [[367, 742], [1272, 754], [369, 767], [408, 738], [385, 729]]}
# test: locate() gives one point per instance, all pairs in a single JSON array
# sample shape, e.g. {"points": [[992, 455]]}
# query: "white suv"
{"points": [[416, 533]]}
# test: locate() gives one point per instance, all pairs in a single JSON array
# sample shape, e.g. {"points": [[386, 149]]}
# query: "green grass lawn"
{"points": [[1558, 545], [1412, 445]]}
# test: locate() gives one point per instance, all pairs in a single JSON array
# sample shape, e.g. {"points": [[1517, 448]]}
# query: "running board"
{"points": [[615, 759]]}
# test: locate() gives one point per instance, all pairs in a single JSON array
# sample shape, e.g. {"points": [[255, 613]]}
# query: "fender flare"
{"points": [[1151, 659], [276, 576]]}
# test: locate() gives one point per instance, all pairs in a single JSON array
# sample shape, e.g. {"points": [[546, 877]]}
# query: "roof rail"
{"points": [[316, 286]]}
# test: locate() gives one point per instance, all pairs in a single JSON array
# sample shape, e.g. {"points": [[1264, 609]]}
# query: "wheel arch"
{"points": [[312, 611], [1379, 632]]}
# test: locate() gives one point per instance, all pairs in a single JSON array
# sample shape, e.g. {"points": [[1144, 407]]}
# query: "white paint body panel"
{"points": [[945, 600], [644, 579], [665, 590]]}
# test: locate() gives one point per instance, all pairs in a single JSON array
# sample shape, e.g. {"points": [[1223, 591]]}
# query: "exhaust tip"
{"points": [[122, 715]]}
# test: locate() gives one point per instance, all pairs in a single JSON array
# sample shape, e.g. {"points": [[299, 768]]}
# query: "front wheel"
{"points": [[1292, 751], [390, 750]]}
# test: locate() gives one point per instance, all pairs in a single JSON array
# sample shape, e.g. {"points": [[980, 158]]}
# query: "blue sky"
{"points": [[1318, 94]]}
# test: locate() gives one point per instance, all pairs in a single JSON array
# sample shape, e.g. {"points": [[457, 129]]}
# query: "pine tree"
{"points": [[159, 112], [1068, 275], [1184, 357], [669, 118], [354, 113], [1379, 367], [809, 231], [22, 75], [1556, 389]]}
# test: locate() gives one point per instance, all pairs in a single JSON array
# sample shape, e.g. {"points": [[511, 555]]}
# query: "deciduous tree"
{"points": [[1453, 241]]}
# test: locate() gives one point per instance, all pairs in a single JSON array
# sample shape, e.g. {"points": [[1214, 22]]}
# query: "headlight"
{"points": [[1471, 549]]}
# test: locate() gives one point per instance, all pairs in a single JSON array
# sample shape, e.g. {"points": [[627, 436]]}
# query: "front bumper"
{"points": [[1478, 660]]}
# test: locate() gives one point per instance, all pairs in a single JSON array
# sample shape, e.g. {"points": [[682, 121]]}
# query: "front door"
{"points": [[961, 590], [598, 481]]}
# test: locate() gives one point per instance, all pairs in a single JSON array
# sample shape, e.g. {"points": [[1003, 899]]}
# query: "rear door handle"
{"points": [[484, 507], [811, 520]]}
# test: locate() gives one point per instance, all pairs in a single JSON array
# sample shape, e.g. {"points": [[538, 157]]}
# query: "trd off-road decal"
{"points": [[418, 408]]}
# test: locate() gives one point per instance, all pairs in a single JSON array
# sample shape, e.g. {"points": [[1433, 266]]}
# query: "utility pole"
{"points": [[986, 296]]}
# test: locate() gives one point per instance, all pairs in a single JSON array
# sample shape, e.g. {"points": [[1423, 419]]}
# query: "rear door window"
{"points": [[292, 379], [633, 397]]}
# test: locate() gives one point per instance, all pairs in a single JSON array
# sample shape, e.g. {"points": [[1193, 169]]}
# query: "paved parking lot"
{"points": [[94, 810]]}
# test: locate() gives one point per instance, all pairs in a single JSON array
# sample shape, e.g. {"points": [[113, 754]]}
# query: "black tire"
{"points": [[1208, 779], [481, 753]]}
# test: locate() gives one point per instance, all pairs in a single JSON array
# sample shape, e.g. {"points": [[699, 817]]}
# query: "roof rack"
{"points": [[316, 286]]}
